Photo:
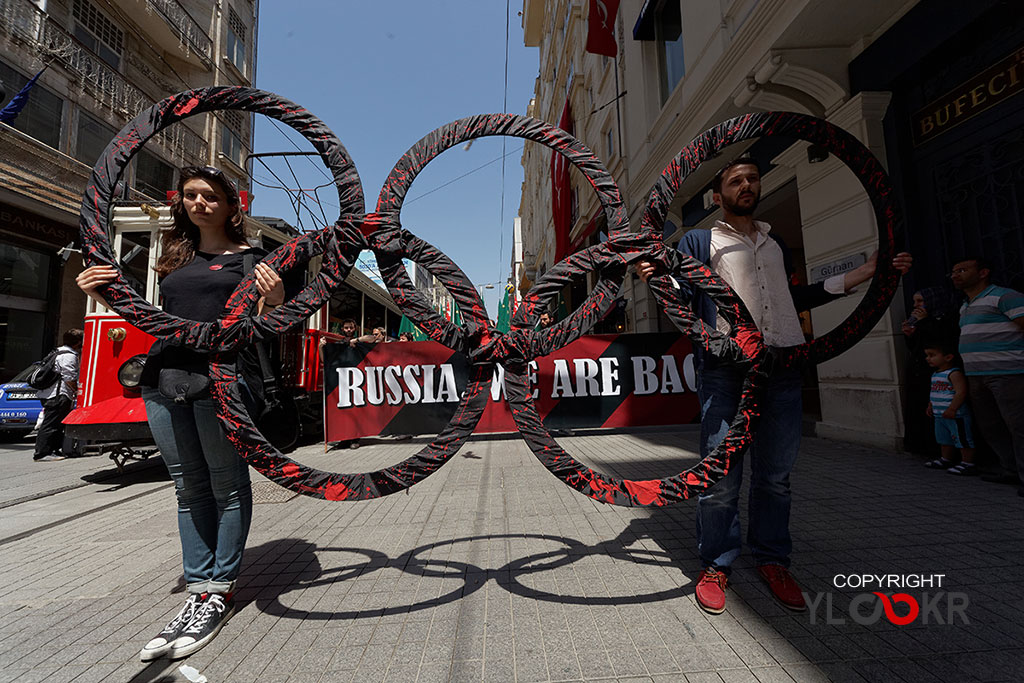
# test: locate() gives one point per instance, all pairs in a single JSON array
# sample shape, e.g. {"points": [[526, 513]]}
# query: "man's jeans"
{"points": [[997, 402], [211, 482], [772, 455]]}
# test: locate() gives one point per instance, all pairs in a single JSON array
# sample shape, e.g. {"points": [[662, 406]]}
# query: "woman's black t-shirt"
{"points": [[196, 291]]}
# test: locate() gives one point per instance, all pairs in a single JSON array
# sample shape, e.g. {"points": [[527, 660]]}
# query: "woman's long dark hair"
{"points": [[181, 241]]}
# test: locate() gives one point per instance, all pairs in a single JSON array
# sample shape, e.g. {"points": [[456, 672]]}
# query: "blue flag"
{"points": [[18, 102]]}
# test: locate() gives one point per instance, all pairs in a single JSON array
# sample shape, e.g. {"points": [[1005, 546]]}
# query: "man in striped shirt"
{"points": [[992, 348]]}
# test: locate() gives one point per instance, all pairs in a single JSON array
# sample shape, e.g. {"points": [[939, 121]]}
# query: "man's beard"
{"points": [[738, 210]]}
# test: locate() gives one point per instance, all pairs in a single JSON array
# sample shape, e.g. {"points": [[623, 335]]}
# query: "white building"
{"points": [[928, 86]]}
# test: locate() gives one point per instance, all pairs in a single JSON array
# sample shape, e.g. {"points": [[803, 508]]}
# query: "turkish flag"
{"points": [[561, 205], [601, 27]]}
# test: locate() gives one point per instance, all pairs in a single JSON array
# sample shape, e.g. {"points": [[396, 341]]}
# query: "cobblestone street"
{"points": [[493, 570]]}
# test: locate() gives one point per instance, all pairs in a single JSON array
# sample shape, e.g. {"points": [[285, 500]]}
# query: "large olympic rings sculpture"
{"points": [[381, 231]]}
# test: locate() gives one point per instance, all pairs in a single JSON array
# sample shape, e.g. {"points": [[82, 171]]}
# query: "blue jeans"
{"points": [[211, 482], [772, 452]]}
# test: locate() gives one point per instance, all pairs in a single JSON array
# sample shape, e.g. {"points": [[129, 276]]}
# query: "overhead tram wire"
{"points": [[298, 198], [453, 180], [265, 183], [295, 206], [287, 137], [434, 189], [299, 190], [504, 109]]}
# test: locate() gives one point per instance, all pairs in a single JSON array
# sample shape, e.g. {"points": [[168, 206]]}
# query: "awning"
{"points": [[643, 29]]}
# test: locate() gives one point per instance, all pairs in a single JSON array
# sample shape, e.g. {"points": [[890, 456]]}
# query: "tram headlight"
{"points": [[130, 371]]}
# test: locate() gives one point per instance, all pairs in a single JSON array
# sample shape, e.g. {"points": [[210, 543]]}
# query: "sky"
{"points": [[383, 75]]}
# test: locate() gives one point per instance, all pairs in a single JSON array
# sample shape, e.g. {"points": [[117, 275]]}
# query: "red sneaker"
{"points": [[783, 586], [710, 591]]}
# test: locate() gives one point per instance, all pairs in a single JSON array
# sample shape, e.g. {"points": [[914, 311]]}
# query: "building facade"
{"points": [[929, 86], [100, 62]]}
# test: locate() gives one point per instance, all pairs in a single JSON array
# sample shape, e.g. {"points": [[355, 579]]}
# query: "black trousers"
{"points": [[50, 438]]}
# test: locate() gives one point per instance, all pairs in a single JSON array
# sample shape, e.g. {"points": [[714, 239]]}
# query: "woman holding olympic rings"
{"points": [[202, 262]]}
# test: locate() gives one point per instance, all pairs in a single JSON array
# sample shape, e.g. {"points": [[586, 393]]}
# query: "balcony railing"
{"points": [[23, 20], [45, 174], [192, 35]]}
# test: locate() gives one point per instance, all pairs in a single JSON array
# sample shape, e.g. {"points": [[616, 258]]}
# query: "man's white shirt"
{"points": [[756, 271], [66, 363]]}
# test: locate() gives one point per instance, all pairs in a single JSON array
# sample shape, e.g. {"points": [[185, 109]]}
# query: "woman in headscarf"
{"points": [[932, 318]]}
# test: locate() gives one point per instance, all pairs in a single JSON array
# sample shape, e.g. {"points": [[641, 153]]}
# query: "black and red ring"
{"points": [[382, 232], [847, 149], [236, 328]]}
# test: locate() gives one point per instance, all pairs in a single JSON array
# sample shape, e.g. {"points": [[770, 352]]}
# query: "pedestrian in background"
{"points": [[58, 399], [947, 406], [201, 264], [932, 320], [349, 331], [992, 348]]}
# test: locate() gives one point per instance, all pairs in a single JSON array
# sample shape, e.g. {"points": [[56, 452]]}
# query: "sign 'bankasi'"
{"points": [[597, 381]]}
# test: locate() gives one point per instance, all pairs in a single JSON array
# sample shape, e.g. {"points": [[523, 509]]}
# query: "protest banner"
{"points": [[611, 380]]}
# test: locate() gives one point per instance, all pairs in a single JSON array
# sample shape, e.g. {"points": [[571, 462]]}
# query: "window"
{"points": [[235, 120], [91, 138], [236, 40], [43, 114], [574, 207], [234, 139], [24, 272], [97, 32], [610, 142], [231, 145], [152, 176], [668, 36], [134, 258]]}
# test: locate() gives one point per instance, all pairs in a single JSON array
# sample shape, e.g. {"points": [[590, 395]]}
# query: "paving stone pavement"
{"points": [[492, 570], [23, 479]]}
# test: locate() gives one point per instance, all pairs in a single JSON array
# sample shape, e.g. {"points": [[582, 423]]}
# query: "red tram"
{"points": [[111, 418]]}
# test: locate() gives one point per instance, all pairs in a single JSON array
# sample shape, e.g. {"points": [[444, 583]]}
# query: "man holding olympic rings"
{"points": [[756, 264]]}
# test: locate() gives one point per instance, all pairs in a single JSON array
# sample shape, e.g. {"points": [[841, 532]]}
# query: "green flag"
{"points": [[505, 311], [407, 326], [562, 311]]}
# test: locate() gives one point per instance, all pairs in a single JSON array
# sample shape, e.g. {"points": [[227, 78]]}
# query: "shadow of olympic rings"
{"points": [[268, 600]]}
